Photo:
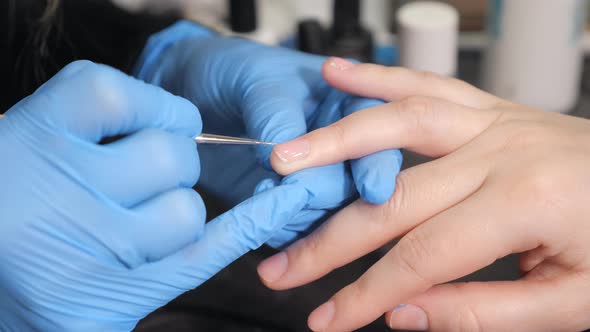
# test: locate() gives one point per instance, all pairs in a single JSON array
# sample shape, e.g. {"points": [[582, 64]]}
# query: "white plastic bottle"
{"points": [[534, 54], [428, 33]]}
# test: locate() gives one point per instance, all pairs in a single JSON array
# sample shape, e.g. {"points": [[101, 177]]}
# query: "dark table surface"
{"points": [[235, 300]]}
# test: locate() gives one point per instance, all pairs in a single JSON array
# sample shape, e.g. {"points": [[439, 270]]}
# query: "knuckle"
{"points": [[338, 138], [87, 67], [189, 210], [519, 133], [307, 251], [539, 183], [545, 195], [430, 78], [163, 149], [360, 290], [98, 76], [522, 139], [467, 319], [105, 83], [337, 132], [460, 84], [395, 207], [194, 168], [187, 161], [413, 252], [311, 244], [389, 72], [416, 104], [79, 65], [418, 113], [540, 188]]}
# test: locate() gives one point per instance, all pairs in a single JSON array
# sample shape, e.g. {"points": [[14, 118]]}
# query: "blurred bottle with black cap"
{"points": [[257, 19], [242, 15], [347, 37]]}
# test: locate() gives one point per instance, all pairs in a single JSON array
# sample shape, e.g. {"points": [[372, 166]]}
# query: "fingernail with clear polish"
{"points": [[321, 317], [272, 268], [408, 317], [339, 63], [292, 151]]}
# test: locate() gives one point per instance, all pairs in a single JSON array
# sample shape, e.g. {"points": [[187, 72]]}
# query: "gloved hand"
{"points": [[270, 93], [93, 236]]}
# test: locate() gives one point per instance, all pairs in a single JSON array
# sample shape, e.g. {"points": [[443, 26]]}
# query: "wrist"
{"points": [[155, 65]]}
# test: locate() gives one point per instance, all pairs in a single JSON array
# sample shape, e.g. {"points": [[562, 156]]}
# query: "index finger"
{"points": [[429, 126]]}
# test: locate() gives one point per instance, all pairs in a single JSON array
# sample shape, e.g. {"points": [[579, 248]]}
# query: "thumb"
{"points": [[523, 305], [231, 235]]}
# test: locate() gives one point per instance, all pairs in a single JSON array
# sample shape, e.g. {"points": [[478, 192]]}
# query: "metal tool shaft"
{"points": [[220, 139]]}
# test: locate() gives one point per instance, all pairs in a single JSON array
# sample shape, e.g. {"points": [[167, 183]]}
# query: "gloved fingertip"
{"points": [[374, 195], [198, 121], [375, 175], [75, 67], [201, 211]]}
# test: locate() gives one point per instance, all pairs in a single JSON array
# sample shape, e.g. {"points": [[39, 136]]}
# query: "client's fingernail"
{"points": [[321, 317], [272, 268], [291, 151], [408, 317], [339, 63]]}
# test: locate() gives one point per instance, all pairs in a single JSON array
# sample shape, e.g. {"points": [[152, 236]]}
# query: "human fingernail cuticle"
{"points": [[339, 63], [321, 317], [273, 268], [408, 317], [292, 151]]}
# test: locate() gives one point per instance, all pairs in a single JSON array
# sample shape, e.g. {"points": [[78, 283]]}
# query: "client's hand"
{"points": [[509, 179]]}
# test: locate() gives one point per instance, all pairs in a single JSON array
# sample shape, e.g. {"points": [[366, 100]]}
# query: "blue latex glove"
{"points": [[93, 236], [273, 94]]}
